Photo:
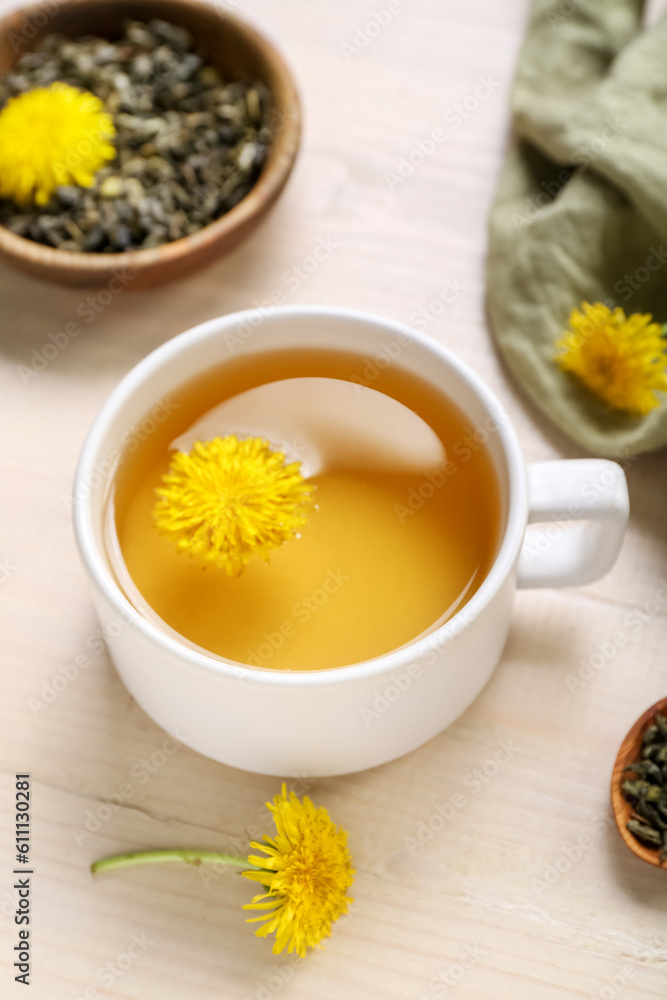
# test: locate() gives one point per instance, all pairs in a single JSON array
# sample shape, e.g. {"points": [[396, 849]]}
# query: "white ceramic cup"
{"points": [[325, 722]]}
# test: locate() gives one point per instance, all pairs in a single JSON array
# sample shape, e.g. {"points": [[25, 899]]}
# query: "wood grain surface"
{"points": [[475, 881]]}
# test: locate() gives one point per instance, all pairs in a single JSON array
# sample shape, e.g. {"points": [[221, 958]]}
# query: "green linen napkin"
{"points": [[581, 208]]}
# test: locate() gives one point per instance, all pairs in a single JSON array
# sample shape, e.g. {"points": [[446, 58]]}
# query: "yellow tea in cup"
{"points": [[405, 526]]}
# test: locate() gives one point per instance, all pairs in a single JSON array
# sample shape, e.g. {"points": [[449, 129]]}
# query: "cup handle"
{"points": [[564, 553]]}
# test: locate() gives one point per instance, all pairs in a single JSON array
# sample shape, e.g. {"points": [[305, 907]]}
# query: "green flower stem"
{"points": [[189, 857]]}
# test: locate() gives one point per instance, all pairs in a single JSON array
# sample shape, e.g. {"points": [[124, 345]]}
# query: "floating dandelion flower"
{"points": [[619, 358], [229, 499]]}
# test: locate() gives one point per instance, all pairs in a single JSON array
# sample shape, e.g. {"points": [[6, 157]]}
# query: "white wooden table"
{"points": [[496, 900]]}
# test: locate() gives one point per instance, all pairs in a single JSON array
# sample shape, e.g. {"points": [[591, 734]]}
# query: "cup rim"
{"points": [[506, 557]]}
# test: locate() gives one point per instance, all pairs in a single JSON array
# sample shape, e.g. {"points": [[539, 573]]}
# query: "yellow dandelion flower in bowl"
{"points": [[229, 499], [306, 873], [51, 136], [619, 358]]}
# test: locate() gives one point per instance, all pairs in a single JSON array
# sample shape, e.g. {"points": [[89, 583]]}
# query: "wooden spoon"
{"points": [[630, 751]]}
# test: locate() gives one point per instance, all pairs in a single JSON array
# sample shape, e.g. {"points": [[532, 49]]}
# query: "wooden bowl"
{"points": [[229, 45], [630, 751]]}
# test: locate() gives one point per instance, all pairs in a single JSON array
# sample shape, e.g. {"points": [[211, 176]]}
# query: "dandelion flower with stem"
{"points": [[229, 499], [619, 358], [51, 136], [306, 873]]}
